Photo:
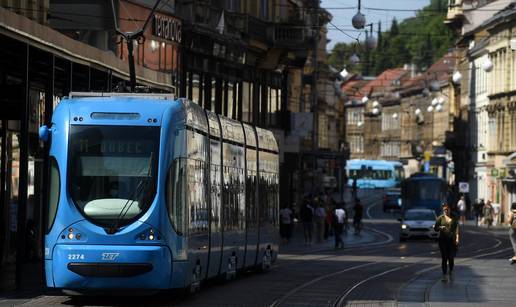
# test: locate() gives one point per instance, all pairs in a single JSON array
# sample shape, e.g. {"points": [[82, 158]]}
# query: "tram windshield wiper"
{"points": [[141, 187]]}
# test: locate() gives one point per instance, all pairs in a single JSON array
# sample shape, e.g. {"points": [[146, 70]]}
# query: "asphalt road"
{"points": [[382, 272]]}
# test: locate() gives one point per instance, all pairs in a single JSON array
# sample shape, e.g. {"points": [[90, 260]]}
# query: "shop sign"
{"points": [[494, 172], [167, 28]]}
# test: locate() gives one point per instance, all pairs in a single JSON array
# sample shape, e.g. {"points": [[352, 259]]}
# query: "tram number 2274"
{"points": [[75, 256]]}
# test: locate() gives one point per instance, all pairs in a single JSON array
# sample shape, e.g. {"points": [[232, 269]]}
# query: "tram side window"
{"points": [[53, 194], [229, 199], [197, 203], [176, 195], [250, 196]]}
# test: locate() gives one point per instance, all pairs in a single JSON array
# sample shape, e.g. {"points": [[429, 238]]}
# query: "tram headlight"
{"points": [[70, 236], [404, 227]]}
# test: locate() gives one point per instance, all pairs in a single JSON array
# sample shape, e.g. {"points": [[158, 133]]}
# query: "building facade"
{"points": [[487, 62]]}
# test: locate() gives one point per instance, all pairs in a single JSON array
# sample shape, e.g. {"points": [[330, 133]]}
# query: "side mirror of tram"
{"points": [[44, 133]]}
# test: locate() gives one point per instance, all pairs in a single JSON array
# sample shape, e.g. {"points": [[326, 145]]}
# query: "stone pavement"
{"points": [[477, 282], [485, 282]]}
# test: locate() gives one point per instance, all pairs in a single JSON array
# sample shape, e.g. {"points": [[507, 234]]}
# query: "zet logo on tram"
{"points": [[110, 256]]}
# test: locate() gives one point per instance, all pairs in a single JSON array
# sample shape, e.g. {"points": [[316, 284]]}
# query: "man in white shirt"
{"points": [[461, 205], [339, 217]]}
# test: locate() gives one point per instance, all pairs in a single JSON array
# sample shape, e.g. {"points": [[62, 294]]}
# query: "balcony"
{"points": [[256, 28], [455, 13], [284, 36]]}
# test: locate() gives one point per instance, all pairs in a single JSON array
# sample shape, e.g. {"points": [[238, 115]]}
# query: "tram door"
{"points": [[215, 209]]}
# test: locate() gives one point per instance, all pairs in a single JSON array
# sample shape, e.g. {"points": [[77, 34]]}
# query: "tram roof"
{"points": [[119, 109], [373, 162]]}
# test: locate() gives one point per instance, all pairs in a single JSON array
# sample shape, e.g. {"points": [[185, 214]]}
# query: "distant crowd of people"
{"points": [[321, 217]]}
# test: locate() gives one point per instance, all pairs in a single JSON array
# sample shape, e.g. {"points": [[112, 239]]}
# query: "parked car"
{"points": [[392, 200], [418, 223]]}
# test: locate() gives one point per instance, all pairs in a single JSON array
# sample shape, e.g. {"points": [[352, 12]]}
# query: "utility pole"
{"points": [[315, 72]]}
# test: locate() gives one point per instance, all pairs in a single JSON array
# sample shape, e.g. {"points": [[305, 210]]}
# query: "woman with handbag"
{"points": [[512, 231], [448, 227]]}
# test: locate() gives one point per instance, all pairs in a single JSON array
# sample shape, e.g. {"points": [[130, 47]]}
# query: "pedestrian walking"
{"points": [[357, 218], [320, 217], [286, 219], [339, 216], [354, 189], [307, 215], [479, 205], [488, 212], [512, 231], [328, 231], [448, 227], [461, 206]]}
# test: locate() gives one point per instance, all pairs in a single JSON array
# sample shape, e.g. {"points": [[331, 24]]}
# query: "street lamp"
{"points": [[365, 99], [358, 21], [344, 73], [457, 77], [370, 41], [487, 66], [354, 59]]}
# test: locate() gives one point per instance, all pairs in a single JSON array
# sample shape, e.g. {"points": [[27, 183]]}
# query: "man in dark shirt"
{"points": [[357, 219], [307, 216]]}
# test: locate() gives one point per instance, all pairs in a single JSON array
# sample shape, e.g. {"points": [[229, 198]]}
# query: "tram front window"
{"points": [[111, 171], [425, 190]]}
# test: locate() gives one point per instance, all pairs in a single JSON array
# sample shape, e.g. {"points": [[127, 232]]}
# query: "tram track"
{"points": [[341, 300]]}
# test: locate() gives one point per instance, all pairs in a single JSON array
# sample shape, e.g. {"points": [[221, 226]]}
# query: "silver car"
{"points": [[418, 223]]}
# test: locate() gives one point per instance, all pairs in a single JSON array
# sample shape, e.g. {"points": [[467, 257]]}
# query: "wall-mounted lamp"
{"points": [[154, 45]]}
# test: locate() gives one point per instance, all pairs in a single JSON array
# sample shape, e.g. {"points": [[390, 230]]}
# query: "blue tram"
{"points": [[423, 190], [375, 173], [147, 192]]}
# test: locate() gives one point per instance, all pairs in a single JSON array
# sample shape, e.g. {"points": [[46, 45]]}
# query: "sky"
{"points": [[344, 10]]}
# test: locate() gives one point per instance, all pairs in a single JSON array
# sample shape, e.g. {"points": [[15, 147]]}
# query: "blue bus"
{"points": [[148, 192], [423, 190], [375, 173]]}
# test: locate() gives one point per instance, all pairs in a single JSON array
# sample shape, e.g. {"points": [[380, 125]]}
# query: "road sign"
{"points": [[463, 187]]}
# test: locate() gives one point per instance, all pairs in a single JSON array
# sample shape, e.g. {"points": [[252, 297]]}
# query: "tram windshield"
{"points": [[425, 190], [111, 171]]}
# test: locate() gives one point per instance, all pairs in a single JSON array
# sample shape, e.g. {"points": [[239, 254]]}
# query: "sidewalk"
{"points": [[477, 281], [484, 282]]}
